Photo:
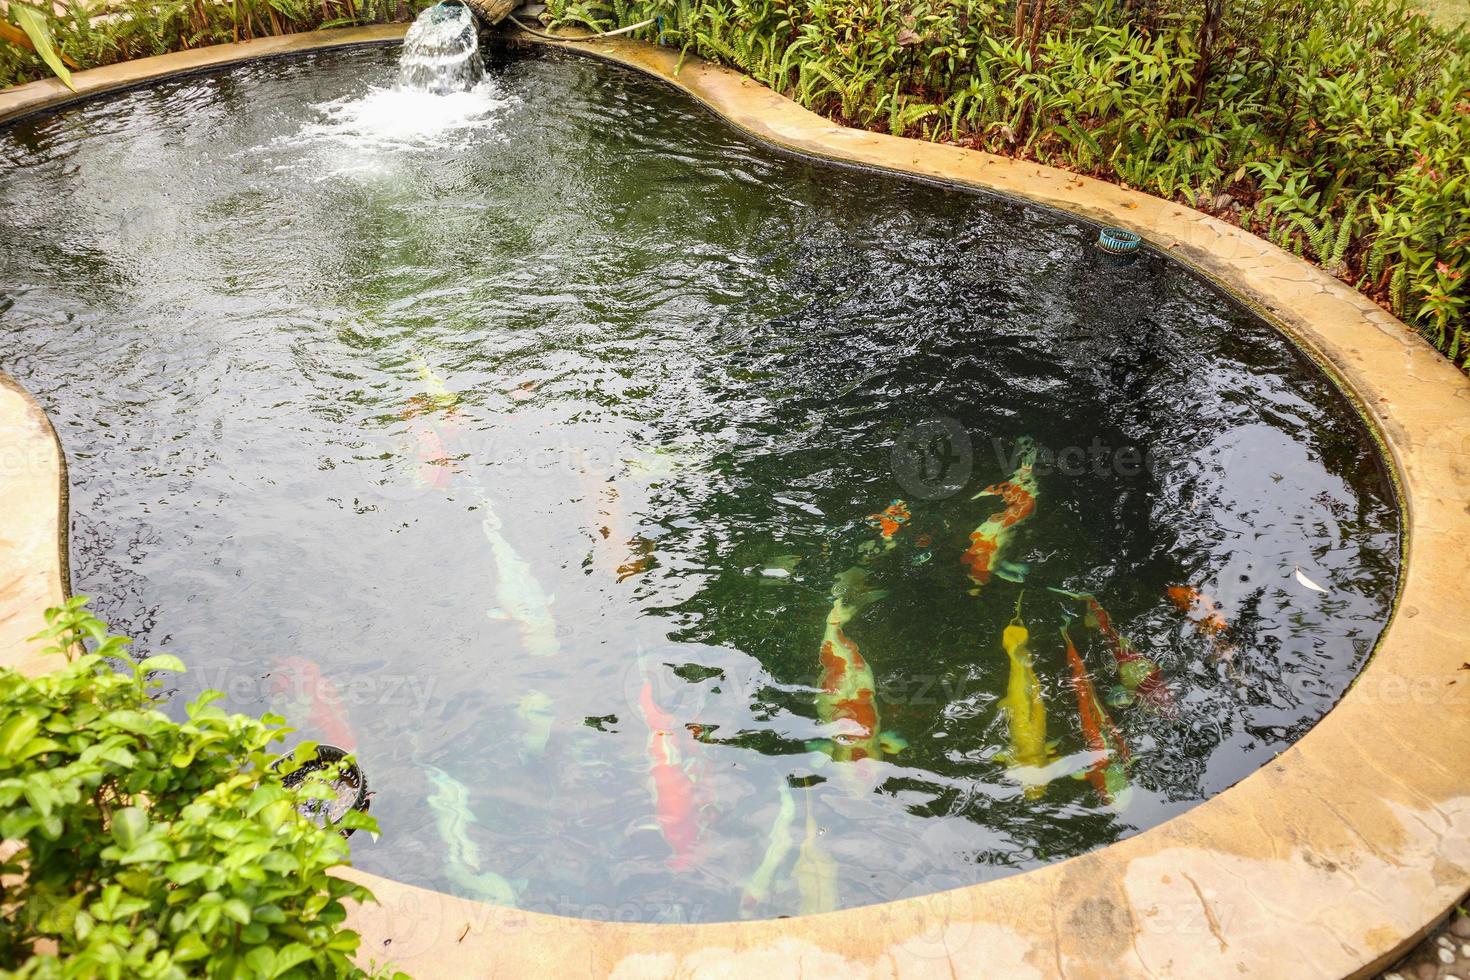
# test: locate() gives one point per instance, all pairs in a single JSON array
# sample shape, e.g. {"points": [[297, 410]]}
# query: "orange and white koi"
{"points": [[430, 416], [617, 551], [890, 521], [1140, 676], [1109, 774], [1025, 712], [302, 680], [1205, 613], [991, 542], [675, 799], [846, 697]]}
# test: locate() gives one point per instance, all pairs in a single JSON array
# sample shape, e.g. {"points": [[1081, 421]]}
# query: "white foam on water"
{"points": [[408, 119], [442, 99]]}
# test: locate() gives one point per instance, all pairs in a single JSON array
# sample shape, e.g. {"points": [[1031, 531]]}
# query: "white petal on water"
{"points": [[1302, 578]]}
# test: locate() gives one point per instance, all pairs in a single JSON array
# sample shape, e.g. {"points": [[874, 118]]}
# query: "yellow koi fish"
{"points": [[1025, 711]]}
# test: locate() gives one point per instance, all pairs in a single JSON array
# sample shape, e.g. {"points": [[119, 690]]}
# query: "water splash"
{"points": [[442, 93], [441, 53]]}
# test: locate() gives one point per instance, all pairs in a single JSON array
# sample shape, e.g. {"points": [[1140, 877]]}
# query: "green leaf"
{"points": [[129, 826], [15, 733], [33, 22], [190, 946], [236, 909], [185, 872], [161, 661]]}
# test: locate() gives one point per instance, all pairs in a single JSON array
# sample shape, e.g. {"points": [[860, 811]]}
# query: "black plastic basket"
{"points": [[351, 786]]}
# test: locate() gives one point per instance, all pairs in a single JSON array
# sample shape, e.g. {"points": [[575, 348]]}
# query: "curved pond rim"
{"points": [[1293, 864]]}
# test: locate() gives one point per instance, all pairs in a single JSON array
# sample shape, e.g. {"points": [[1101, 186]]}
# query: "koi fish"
{"points": [[452, 815], [758, 887], [846, 697], [1025, 711], [1109, 775], [673, 786], [615, 534], [534, 710], [518, 595], [890, 521], [992, 540], [439, 396], [434, 469], [640, 558], [1209, 619], [1140, 676], [815, 872], [324, 712]]}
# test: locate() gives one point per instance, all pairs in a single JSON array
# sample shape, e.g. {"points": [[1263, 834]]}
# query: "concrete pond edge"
{"points": [[1330, 861]]}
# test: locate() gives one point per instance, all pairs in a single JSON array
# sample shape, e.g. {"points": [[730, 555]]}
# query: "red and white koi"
{"points": [[992, 541], [1140, 676], [303, 682], [846, 699], [1109, 774], [676, 802]]}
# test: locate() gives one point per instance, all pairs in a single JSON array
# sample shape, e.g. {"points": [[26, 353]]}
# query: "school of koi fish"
{"points": [[845, 696]]}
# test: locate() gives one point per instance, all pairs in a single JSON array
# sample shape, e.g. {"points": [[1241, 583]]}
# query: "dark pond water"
{"points": [[520, 439]]}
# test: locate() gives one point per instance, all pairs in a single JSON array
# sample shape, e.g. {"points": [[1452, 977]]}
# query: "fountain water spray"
{"points": [[441, 53]]}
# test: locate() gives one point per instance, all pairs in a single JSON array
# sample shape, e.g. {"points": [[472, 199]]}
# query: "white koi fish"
{"points": [[758, 887], [518, 595], [450, 806]]}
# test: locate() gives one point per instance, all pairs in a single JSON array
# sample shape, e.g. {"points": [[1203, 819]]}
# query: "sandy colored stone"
{"points": [[1328, 862]]}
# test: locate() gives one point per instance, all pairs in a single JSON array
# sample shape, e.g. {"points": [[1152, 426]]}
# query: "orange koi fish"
{"points": [[847, 690], [675, 799], [1209, 619], [890, 521], [322, 708], [992, 540], [434, 468], [1109, 775], [1140, 676]]}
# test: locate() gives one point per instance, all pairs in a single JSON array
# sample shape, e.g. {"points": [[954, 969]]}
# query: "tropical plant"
{"points": [[149, 847], [1340, 129]]}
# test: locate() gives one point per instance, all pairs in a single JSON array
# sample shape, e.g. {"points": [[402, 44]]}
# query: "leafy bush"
{"points": [[1339, 129], [152, 848], [94, 34]]}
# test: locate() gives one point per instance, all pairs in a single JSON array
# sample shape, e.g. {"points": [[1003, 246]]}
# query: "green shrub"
{"points": [[1340, 129], [95, 34], [149, 847]]}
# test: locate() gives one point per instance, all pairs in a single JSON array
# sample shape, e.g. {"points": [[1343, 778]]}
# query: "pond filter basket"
{"points": [[351, 788], [1116, 241]]}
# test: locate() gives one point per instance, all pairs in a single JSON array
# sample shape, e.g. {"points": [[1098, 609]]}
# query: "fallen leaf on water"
{"points": [[1302, 578]]}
